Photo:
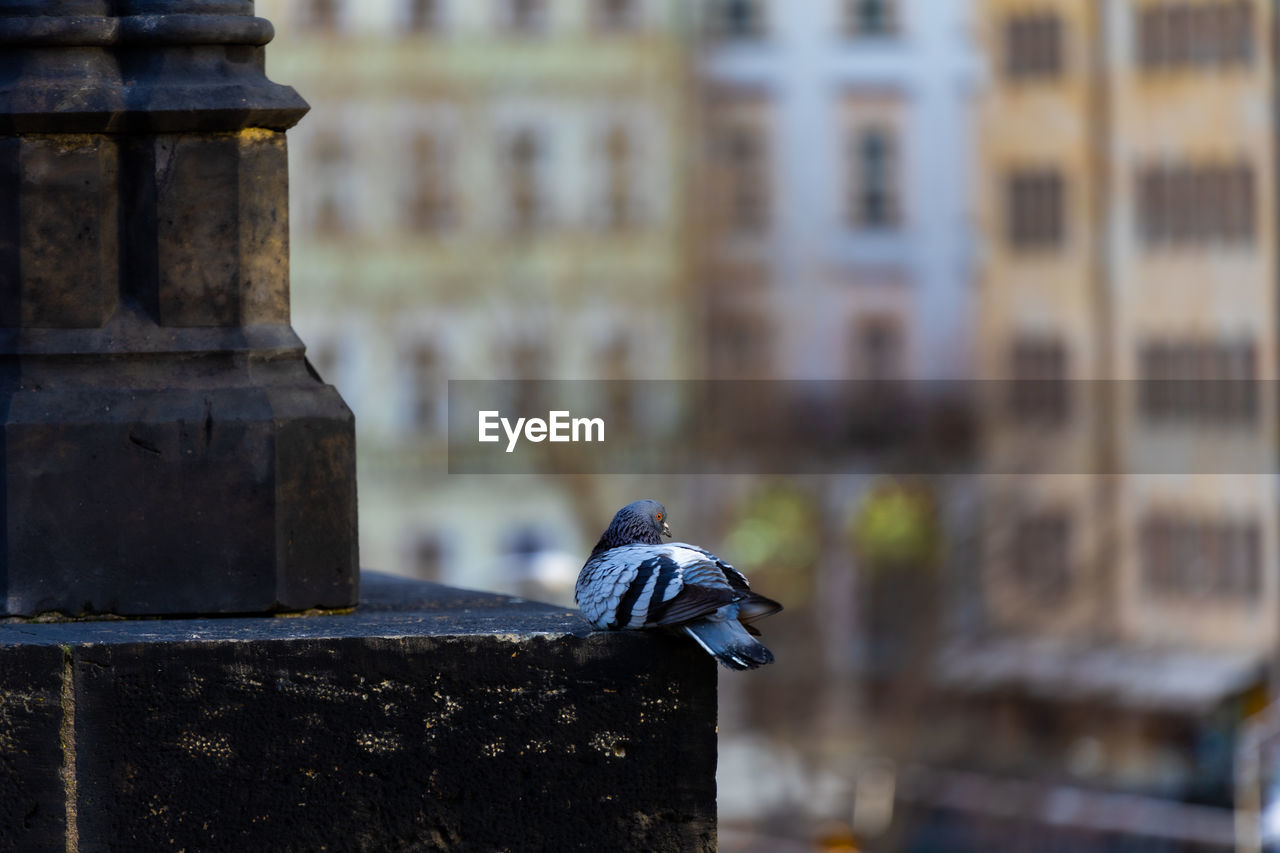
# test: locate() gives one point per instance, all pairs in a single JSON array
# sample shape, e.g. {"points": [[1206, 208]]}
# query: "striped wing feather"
{"points": [[754, 606], [690, 603], [636, 586]]}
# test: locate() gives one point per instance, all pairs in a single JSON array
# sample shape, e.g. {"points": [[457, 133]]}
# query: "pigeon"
{"points": [[634, 580]]}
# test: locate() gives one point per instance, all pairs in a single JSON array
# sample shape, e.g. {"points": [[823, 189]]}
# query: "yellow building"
{"points": [[1127, 196], [1126, 296], [482, 191]]}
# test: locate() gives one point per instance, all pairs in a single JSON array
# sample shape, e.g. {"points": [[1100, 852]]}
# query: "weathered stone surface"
{"points": [[163, 447], [70, 252], [428, 719], [221, 229], [32, 786], [137, 66], [58, 231], [215, 499]]}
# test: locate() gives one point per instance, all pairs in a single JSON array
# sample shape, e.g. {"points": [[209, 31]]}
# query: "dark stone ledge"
{"points": [[125, 335], [171, 29], [429, 718], [98, 8]]}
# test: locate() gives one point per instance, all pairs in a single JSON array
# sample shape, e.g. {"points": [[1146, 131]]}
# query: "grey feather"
{"points": [[730, 643]]}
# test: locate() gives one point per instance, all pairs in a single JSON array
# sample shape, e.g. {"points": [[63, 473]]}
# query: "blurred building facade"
{"points": [[1127, 294], [1128, 204], [835, 189], [488, 191], [834, 243], [835, 229]]}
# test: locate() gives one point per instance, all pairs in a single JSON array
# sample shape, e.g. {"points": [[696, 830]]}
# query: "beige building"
{"points": [[1127, 195], [483, 190], [1126, 296]]}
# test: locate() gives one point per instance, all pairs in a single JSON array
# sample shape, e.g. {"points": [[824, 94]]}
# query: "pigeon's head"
{"points": [[644, 521]]}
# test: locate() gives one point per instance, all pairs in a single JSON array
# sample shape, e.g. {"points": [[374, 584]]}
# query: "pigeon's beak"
{"points": [[666, 531]]}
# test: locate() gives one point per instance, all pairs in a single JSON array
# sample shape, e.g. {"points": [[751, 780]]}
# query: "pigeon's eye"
{"points": [[658, 516]]}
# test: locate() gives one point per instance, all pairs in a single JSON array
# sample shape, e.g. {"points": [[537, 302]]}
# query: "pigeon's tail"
{"points": [[729, 642], [756, 606]]}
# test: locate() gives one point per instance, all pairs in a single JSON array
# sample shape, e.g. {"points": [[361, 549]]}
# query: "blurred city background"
{"points": [[1062, 210]]}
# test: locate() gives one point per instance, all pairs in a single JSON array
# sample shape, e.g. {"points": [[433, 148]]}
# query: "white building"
{"points": [[838, 159]]}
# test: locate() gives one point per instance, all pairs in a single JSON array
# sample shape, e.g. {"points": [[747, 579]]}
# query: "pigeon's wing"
{"points": [[643, 586], [639, 586], [691, 603], [754, 606], [601, 584], [624, 587], [732, 576], [704, 587]]}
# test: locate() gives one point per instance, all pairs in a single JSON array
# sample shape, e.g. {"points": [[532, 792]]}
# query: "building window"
{"points": [[878, 349], [746, 198], [616, 16], [1035, 207], [874, 196], [619, 179], [1189, 557], [526, 17], [423, 16], [332, 213], [1033, 46], [615, 369], [524, 191], [430, 205], [870, 17], [1183, 205], [1199, 382], [428, 558], [1038, 391], [738, 19], [322, 16], [426, 389], [1204, 35], [739, 346], [528, 365], [1042, 555], [523, 547]]}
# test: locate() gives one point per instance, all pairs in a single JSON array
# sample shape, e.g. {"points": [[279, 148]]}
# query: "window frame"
{"points": [[855, 20]]}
